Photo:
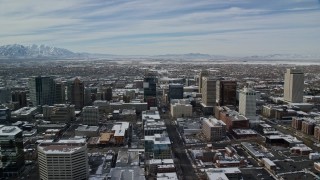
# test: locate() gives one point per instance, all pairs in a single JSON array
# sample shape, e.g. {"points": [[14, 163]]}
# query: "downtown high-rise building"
{"points": [[75, 91], [226, 92], [63, 160], [4, 94], [208, 91], [293, 86], [247, 103], [42, 90], [150, 89], [175, 91], [60, 92], [201, 76]]}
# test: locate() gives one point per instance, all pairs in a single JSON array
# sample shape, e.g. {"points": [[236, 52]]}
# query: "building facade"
{"points": [[90, 115], [213, 129], [181, 109], [226, 92], [175, 91], [202, 75], [20, 97], [42, 90], [63, 161], [293, 86], [150, 89], [76, 93], [247, 103], [12, 154], [208, 91], [60, 92]]}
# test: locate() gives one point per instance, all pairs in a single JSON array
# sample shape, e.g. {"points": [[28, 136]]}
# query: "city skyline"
{"points": [[165, 27]]}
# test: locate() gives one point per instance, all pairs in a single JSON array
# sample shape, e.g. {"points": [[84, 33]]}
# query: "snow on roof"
{"points": [[167, 176], [120, 128], [9, 130]]}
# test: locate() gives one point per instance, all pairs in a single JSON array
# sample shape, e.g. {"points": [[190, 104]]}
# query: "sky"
{"points": [[153, 27]]}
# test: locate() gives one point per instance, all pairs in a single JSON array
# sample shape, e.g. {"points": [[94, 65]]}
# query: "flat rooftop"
{"points": [[9, 130], [57, 148], [87, 128]]}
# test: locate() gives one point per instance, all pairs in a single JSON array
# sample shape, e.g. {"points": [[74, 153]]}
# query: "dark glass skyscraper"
{"points": [[226, 92], [42, 90], [150, 89], [76, 93], [175, 91]]}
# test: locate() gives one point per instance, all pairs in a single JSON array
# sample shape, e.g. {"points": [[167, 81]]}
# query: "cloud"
{"points": [[162, 27]]}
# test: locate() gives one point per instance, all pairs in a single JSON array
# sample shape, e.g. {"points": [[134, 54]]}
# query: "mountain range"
{"points": [[17, 51]]}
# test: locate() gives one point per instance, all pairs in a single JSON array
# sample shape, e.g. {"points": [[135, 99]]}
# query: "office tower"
{"points": [[175, 91], [293, 86], [150, 89], [247, 103], [108, 94], [88, 96], [76, 93], [226, 92], [5, 115], [12, 154], [63, 160], [4, 95], [90, 115], [60, 92], [208, 91], [201, 76], [41, 90], [20, 97], [105, 93]]}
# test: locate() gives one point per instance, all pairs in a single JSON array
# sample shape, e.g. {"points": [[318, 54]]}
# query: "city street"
{"points": [[183, 164]]}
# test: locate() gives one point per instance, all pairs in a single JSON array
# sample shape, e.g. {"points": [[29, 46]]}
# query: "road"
{"points": [[182, 161]]}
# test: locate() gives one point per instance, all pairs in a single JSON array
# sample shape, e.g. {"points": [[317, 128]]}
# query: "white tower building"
{"points": [[293, 86], [247, 103], [63, 160]]}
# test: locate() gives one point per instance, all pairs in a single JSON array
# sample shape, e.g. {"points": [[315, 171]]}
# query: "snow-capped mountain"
{"points": [[34, 51]]}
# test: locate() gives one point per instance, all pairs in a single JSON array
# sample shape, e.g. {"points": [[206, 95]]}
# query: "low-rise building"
{"points": [[120, 132], [300, 149], [213, 129], [282, 140], [59, 113], [24, 114], [269, 164], [307, 127], [232, 119], [244, 133], [157, 146], [88, 131], [223, 173], [181, 109]]}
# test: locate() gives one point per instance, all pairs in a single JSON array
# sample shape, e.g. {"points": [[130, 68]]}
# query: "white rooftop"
{"points": [[9, 130], [73, 140], [167, 176], [120, 128], [220, 173]]}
